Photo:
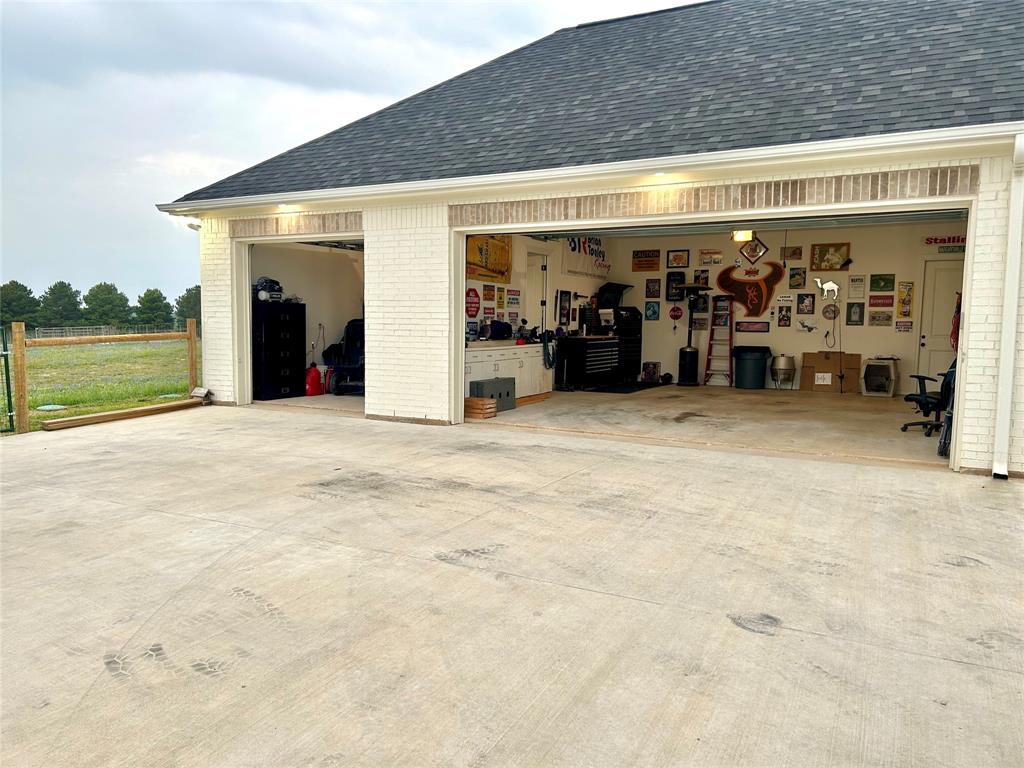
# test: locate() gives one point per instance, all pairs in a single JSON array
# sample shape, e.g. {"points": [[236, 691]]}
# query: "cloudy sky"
{"points": [[110, 108]]}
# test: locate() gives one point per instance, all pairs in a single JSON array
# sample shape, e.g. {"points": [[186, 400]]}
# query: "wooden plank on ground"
{"points": [[531, 399], [130, 413]]}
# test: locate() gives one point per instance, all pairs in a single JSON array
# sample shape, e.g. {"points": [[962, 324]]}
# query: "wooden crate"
{"points": [[480, 408]]}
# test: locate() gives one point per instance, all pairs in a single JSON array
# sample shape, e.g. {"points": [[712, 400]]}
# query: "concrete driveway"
{"points": [[245, 587]]}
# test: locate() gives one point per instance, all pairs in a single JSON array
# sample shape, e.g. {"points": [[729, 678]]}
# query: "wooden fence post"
{"points": [[20, 377], [193, 373]]}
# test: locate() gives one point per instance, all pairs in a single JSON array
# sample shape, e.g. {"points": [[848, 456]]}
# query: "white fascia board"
{"points": [[969, 137]]}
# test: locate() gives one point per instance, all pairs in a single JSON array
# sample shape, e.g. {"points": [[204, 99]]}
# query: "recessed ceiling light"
{"points": [[660, 173]]}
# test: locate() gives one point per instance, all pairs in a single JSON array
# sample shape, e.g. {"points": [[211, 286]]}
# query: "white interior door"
{"points": [[942, 281]]}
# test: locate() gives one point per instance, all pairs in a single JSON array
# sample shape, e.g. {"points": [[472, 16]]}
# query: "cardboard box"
{"points": [[819, 372]]}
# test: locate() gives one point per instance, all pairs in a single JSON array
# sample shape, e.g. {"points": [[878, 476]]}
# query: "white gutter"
{"points": [[1011, 303], [896, 143]]}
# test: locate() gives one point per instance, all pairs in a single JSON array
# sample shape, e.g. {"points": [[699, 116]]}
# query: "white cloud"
{"points": [[111, 108]]}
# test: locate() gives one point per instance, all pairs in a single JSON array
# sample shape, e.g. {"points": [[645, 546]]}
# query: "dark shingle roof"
{"points": [[721, 75]]}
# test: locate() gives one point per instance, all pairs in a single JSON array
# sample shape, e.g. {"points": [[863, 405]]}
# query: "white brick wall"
{"points": [[982, 321], [215, 275], [1017, 423], [408, 284], [407, 273]]}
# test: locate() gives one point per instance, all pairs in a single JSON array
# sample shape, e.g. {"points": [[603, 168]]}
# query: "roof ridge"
{"points": [[674, 8]]}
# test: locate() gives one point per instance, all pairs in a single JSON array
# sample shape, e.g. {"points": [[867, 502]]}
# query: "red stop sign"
{"points": [[472, 302], [675, 313]]}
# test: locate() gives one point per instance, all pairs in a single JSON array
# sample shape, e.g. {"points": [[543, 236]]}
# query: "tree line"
{"points": [[62, 306]]}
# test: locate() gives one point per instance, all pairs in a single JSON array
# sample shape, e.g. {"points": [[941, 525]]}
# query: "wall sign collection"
{"points": [[877, 300]]}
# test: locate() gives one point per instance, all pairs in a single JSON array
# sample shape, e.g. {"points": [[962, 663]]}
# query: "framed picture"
{"points": [[805, 303], [677, 259], [701, 304], [574, 314], [884, 283], [792, 253], [753, 326], [798, 277], [702, 276], [855, 313], [857, 286], [650, 372], [830, 257], [564, 307], [653, 290], [652, 310], [674, 282], [700, 323], [785, 317]]}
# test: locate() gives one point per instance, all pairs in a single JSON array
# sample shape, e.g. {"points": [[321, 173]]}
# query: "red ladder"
{"points": [[719, 363]]}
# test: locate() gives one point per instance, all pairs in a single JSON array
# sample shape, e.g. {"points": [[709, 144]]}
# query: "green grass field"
{"points": [[104, 377]]}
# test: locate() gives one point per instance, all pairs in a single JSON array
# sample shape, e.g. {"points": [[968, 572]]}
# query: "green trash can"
{"points": [[750, 365]]}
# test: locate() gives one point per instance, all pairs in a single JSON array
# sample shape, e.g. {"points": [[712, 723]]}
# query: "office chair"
{"points": [[931, 403], [348, 367]]}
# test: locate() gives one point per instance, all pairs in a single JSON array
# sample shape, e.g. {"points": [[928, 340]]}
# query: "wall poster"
{"points": [[884, 283], [880, 318], [798, 277], [489, 258], [905, 305], [472, 302], [856, 287], [710, 256], [855, 313], [883, 300], [585, 257], [652, 310], [753, 326], [700, 323], [564, 305], [488, 292], [653, 289], [647, 261], [805, 303], [785, 316], [674, 282], [904, 326], [501, 297], [512, 297], [791, 253]]}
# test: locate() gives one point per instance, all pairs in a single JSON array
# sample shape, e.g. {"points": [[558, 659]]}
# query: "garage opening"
{"points": [[307, 325], [799, 335]]}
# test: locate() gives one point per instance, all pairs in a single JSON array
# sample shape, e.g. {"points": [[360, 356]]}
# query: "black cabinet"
{"points": [[278, 350], [587, 361]]}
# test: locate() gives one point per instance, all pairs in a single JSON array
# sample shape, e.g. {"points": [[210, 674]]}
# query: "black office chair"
{"points": [[931, 403], [349, 364]]}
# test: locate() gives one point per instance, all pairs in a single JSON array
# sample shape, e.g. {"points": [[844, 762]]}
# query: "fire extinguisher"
{"points": [[314, 386]]}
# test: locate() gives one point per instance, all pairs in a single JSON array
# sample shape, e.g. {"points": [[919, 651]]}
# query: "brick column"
{"points": [[408, 334]]}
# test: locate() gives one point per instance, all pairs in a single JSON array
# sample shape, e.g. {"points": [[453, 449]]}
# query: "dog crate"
{"points": [[878, 378]]}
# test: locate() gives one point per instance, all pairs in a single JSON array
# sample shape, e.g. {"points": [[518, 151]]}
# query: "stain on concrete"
{"points": [[457, 556], [208, 667], [994, 639], [686, 416], [758, 623], [964, 561], [118, 665]]}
